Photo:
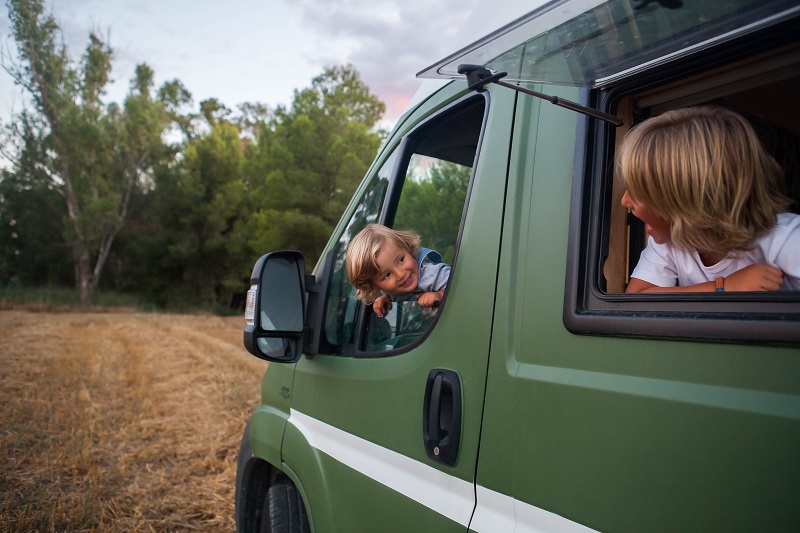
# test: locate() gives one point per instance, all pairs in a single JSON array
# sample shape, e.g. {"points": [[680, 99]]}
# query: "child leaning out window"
{"points": [[384, 264], [711, 200]]}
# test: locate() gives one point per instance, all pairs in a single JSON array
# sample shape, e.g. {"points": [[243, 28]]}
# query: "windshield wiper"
{"points": [[478, 77]]}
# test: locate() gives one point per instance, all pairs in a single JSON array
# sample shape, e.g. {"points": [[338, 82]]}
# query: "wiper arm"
{"points": [[478, 77]]}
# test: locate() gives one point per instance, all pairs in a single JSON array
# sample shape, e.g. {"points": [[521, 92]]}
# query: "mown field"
{"points": [[121, 421]]}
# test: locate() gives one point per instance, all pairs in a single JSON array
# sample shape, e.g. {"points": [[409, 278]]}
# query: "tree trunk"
{"points": [[83, 261]]}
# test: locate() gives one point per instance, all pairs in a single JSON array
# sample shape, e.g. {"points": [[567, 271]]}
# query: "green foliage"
{"points": [[432, 206], [264, 181], [310, 159], [178, 247], [54, 297], [32, 251]]}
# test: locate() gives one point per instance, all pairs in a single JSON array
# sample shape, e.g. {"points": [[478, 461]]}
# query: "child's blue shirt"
{"points": [[433, 271]]}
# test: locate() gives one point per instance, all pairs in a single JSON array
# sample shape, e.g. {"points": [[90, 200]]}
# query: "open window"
{"points": [[761, 88], [756, 76], [423, 186]]}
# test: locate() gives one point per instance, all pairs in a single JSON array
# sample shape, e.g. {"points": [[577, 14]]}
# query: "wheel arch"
{"points": [[254, 477]]}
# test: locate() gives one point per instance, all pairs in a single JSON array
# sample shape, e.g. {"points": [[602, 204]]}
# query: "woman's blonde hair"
{"points": [[704, 170], [362, 254]]}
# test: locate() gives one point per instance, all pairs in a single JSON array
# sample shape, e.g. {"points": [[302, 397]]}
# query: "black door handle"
{"points": [[441, 416]]}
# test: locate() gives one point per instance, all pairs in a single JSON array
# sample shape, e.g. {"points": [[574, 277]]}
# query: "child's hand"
{"points": [[758, 277], [430, 299], [382, 305]]}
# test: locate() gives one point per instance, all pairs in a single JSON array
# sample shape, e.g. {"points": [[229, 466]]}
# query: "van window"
{"points": [[756, 78], [427, 193], [430, 202], [341, 303]]}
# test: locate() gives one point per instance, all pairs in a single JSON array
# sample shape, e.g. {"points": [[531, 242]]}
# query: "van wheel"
{"points": [[283, 511]]}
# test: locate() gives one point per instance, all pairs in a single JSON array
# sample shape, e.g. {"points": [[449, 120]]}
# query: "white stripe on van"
{"points": [[436, 490], [447, 495], [501, 513]]}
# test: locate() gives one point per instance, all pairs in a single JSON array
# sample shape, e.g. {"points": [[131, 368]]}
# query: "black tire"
{"points": [[283, 511]]}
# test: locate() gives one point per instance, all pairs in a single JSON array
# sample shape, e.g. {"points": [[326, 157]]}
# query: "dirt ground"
{"points": [[121, 421]]}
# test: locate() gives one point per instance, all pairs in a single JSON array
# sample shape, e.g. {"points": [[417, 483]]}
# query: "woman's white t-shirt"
{"points": [[667, 266]]}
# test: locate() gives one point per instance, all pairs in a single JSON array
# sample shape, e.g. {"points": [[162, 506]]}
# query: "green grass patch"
{"points": [[51, 298], [54, 298]]}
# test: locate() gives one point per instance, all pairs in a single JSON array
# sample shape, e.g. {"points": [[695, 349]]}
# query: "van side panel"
{"points": [[615, 433]]}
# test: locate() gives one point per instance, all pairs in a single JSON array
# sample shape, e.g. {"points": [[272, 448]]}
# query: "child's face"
{"points": [[655, 226], [398, 272]]}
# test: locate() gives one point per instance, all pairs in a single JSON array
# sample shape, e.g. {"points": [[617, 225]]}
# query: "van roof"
{"points": [[594, 42]]}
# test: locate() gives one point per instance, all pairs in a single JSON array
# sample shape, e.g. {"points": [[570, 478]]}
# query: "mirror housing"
{"points": [[275, 307]]}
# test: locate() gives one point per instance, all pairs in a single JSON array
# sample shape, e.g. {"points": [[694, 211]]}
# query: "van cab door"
{"points": [[363, 407]]}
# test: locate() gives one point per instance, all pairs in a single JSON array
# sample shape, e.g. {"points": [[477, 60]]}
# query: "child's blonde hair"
{"points": [[362, 256], [704, 170]]}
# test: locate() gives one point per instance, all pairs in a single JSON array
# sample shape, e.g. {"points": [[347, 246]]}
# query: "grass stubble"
{"points": [[121, 421]]}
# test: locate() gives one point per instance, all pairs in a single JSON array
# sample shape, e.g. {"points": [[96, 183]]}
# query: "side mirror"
{"points": [[276, 307]]}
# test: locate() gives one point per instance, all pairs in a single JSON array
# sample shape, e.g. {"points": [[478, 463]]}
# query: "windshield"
{"points": [[592, 42]]}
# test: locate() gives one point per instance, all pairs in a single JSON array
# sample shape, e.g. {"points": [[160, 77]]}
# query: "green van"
{"points": [[538, 396]]}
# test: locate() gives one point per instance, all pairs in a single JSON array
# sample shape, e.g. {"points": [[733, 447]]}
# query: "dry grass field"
{"points": [[121, 421]]}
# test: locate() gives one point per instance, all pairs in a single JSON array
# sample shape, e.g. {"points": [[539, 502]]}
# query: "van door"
{"points": [[362, 408]]}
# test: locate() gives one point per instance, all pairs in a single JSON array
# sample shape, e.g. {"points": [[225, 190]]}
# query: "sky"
{"points": [[257, 50]]}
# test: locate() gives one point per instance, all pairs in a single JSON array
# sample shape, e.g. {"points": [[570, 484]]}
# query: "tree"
{"points": [[432, 205], [308, 161], [32, 251], [91, 154], [214, 199], [247, 183], [181, 247]]}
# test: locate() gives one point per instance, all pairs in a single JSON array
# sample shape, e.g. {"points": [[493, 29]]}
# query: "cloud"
{"points": [[388, 41], [255, 51]]}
